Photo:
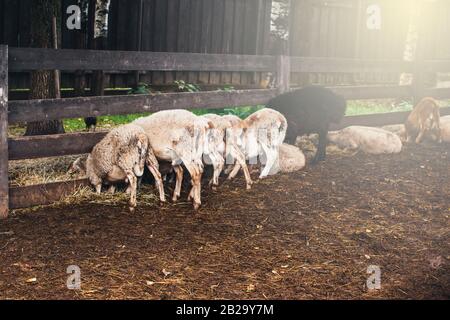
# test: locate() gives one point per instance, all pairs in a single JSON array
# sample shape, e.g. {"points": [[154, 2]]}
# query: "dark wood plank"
{"points": [[184, 17], [43, 194], [195, 33], [335, 65], [249, 33], [228, 13], [438, 93], [437, 66], [238, 37], [159, 40], [216, 35], [205, 40], [25, 59], [378, 120], [172, 33], [11, 15], [148, 25], [373, 92], [3, 132], [53, 145], [37, 110]]}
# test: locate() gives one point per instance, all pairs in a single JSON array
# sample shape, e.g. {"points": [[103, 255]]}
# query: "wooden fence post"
{"points": [[283, 73], [4, 188]]}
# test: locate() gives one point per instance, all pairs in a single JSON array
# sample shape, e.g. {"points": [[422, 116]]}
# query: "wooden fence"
{"points": [[338, 29], [200, 26], [25, 59]]}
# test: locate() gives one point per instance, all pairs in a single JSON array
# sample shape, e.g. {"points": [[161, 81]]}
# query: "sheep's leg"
{"points": [[112, 189], [219, 163], [97, 183], [437, 130], [321, 148], [133, 187], [228, 169], [240, 158], [159, 183], [235, 171], [197, 194], [271, 157], [153, 166], [139, 183], [178, 182], [421, 134], [408, 135], [128, 191], [196, 175]]}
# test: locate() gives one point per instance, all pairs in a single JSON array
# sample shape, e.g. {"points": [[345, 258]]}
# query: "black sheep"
{"points": [[310, 110], [91, 123]]}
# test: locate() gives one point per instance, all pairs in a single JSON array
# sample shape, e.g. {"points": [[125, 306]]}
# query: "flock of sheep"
{"points": [[184, 141]]}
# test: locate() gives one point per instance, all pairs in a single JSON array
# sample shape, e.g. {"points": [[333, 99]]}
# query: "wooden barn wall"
{"points": [[204, 26], [337, 28], [322, 28]]}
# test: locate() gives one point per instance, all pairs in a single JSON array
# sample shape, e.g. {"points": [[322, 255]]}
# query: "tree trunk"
{"points": [[42, 81]]}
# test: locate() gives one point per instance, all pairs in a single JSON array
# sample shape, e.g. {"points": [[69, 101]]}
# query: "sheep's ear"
{"points": [[210, 125]]}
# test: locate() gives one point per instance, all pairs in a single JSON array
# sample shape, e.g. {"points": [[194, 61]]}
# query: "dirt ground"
{"points": [[308, 235]]}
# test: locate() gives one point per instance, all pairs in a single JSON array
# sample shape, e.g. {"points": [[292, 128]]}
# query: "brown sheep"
{"points": [[423, 120]]}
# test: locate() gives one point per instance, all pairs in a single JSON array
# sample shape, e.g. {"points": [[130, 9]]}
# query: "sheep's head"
{"points": [[141, 148], [78, 167]]}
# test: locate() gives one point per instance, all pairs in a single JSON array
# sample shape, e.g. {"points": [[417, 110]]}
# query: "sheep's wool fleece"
{"points": [[445, 128], [290, 159]]}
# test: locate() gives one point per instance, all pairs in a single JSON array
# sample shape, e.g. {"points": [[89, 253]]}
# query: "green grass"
{"points": [[354, 108], [360, 107], [241, 112], [73, 125], [106, 122]]}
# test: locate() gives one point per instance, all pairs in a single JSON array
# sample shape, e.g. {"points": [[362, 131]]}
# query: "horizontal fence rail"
{"points": [[436, 66], [25, 59], [34, 147], [378, 120], [373, 92], [43, 194], [337, 65], [52, 109]]}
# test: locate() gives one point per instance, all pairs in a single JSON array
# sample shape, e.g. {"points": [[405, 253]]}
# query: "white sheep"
{"points": [[179, 136], [445, 129], [291, 159], [230, 129], [265, 131], [216, 142], [367, 139], [121, 156], [398, 129]]}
